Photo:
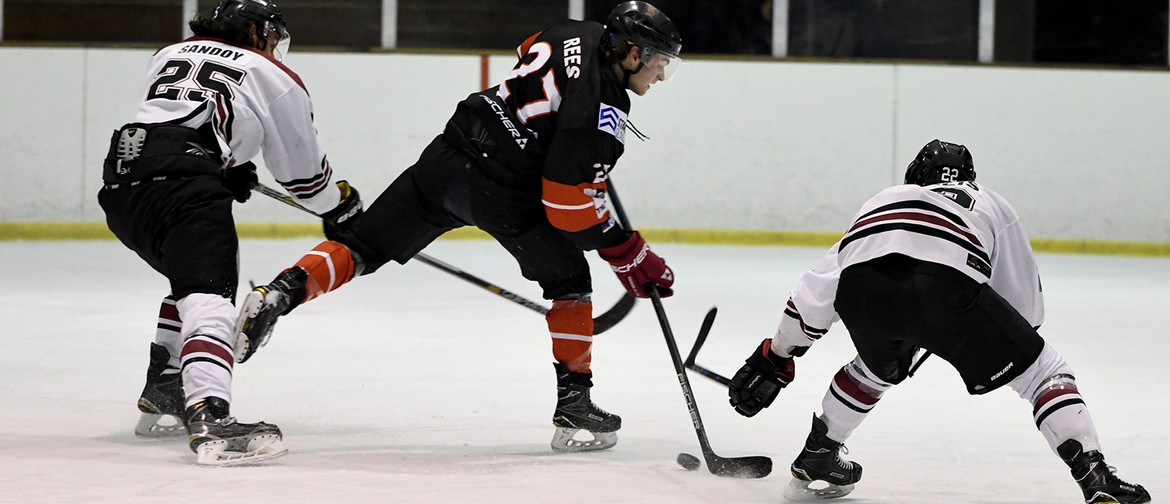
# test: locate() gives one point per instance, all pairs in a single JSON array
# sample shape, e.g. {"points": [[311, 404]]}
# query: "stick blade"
{"points": [[704, 329], [739, 467], [610, 318]]}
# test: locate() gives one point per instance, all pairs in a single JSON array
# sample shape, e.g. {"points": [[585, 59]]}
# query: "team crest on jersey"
{"points": [[613, 121]]}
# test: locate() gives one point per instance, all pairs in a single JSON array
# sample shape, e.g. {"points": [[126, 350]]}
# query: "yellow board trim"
{"points": [[49, 231]]}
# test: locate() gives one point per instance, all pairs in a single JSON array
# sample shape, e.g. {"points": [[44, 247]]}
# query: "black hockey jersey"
{"points": [[555, 127]]}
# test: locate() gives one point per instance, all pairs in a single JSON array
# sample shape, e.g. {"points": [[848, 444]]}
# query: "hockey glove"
{"points": [[637, 267], [338, 220], [759, 381], [240, 179]]}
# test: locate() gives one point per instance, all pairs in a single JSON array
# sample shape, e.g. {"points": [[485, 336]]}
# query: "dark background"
{"points": [[1103, 32]]}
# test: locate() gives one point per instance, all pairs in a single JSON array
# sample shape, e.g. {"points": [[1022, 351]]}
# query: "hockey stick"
{"points": [[601, 323], [708, 321], [736, 467]]}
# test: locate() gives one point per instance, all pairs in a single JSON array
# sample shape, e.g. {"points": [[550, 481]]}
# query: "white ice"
{"points": [[413, 386]]}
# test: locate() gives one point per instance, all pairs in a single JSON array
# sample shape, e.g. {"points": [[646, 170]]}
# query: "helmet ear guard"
{"points": [[940, 162]]}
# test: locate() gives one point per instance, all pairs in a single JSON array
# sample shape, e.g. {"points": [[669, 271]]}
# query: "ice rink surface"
{"points": [[413, 386]]}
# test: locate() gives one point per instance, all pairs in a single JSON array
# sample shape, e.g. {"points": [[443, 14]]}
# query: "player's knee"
{"points": [[1048, 371], [571, 315], [864, 379], [209, 314], [365, 261]]}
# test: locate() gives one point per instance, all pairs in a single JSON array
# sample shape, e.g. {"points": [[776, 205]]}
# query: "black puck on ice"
{"points": [[688, 461]]}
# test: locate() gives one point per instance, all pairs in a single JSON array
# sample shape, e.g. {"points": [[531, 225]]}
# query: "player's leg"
{"points": [[559, 266], [406, 217], [162, 399], [199, 251], [326, 267], [132, 214], [1058, 410], [876, 301], [992, 345], [852, 394]]}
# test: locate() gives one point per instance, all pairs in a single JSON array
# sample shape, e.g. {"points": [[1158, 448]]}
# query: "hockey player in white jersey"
{"points": [[943, 265], [209, 105]]}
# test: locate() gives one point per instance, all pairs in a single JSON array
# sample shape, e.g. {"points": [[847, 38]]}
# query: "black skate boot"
{"points": [[1096, 479], [576, 412], [218, 439], [161, 397], [821, 461], [261, 308]]}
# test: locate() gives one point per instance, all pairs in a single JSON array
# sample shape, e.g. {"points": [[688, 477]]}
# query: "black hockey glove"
{"points": [[759, 381], [338, 220], [240, 179]]}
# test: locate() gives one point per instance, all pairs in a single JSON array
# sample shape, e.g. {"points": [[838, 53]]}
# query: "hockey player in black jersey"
{"points": [[943, 265], [527, 162], [210, 104]]}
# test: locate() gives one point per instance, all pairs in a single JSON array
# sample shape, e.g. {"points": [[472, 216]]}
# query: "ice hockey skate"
{"points": [[219, 440], [576, 412], [258, 314], [161, 402], [820, 461], [1097, 480]]}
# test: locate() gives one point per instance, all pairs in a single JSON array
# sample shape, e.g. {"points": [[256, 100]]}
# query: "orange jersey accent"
{"points": [[329, 265], [523, 48], [574, 208], [570, 323]]}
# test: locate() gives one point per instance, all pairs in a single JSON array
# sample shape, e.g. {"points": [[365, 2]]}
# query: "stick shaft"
{"points": [[680, 373], [600, 324]]}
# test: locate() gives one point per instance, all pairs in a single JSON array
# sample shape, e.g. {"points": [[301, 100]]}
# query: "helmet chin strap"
{"points": [[626, 73]]}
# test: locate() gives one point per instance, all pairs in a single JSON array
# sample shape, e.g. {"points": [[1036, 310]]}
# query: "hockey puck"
{"points": [[688, 461]]}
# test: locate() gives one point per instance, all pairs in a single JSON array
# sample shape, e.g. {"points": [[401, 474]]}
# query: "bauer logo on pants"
{"points": [[613, 121]]}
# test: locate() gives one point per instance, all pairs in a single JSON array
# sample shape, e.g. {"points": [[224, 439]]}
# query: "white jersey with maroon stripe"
{"points": [[254, 104], [961, 225]]}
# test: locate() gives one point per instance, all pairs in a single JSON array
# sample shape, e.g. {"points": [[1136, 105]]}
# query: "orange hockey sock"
{"points": [[329, 265], [571, 324]]}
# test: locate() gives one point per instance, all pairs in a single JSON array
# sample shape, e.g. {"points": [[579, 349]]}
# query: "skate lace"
{"points": [[597, 409], [845, 464]]}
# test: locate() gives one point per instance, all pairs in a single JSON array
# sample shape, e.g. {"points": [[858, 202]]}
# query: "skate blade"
{"points": [[260, 449], [249, 308], [150, 425], [563, 441], [801, 491]]}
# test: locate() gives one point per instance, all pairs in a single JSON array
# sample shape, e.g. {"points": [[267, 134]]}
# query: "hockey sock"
{"points": [[570, 322], [853, 392], [1058, 410], [329, 266], [167, 334], [207, 357]]}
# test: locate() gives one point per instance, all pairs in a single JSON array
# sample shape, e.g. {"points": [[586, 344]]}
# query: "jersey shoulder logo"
{"points": [[612, 120]]}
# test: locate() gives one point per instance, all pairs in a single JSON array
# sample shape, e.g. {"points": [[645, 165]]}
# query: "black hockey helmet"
{"points": [[264, 13], [641, 24], [940, 162]]}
